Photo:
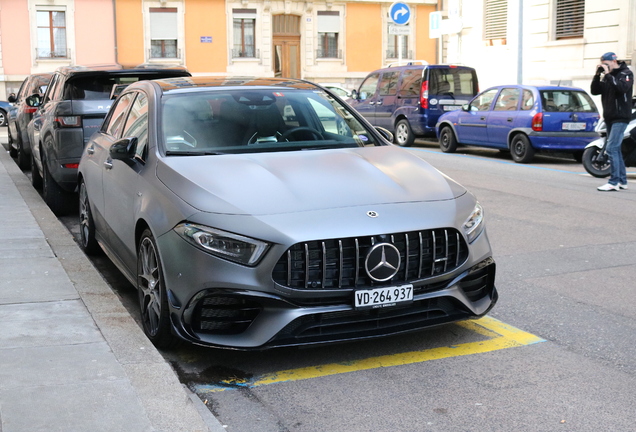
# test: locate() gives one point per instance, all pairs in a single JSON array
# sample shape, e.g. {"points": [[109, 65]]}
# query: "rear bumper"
{"points": [[570, 141]]}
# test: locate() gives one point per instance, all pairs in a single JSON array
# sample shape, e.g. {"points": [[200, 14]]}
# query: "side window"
{"points": [[411, 83], [527, 102], [483, 101], [388, 83], [116, 121], [368, 87], [51, 89], [137, 125], [507, 100]]}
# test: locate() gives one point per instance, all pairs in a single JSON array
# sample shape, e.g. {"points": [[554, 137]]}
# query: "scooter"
{"points": [[595, 158]]}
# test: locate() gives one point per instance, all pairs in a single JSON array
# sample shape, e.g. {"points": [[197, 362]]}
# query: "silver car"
{"points": [[257, 212]]}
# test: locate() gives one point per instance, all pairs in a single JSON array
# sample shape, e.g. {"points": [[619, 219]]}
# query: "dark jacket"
{"points": [[616, 93]]}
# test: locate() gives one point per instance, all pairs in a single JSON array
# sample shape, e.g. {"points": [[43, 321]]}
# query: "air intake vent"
{"points": [[223, 315]]}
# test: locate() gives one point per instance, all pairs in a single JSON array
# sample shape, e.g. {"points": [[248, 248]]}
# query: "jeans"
{"points": [[618, 173]]}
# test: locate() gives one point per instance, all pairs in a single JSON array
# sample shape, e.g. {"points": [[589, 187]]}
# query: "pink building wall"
{"points": [[94, 32], [16, 37]]}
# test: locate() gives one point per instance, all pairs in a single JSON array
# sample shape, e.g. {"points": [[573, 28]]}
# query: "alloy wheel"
{"points": [[149, 281]]}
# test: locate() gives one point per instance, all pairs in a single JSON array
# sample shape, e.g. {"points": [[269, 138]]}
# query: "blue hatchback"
{"points": [[523, 120]]}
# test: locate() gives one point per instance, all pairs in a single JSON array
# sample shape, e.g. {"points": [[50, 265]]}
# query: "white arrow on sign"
{"points": [[399, 13]]}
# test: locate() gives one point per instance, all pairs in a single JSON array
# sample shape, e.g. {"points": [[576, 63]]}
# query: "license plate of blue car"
{"points": [[383, 297], [573, 126]]}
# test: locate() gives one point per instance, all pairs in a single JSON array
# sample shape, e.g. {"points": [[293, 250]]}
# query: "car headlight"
{"points": [[474, 225], [234, 247]]}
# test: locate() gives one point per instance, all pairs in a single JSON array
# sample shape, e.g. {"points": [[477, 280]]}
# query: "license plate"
{"points": [[383, 297], [451, 107], [573, 126]]}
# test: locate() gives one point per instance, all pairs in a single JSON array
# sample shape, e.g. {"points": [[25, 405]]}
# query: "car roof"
{"points": [[119, 69], [422, 66], [538, 87], [184, 84]]}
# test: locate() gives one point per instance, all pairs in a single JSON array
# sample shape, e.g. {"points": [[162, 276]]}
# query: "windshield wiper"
{"points": [[192, 153]]}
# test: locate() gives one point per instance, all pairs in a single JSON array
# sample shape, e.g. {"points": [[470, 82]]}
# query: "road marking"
{"points": [[499, 334]]}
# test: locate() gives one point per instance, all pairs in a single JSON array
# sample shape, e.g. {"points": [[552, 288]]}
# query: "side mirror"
{"points": [[34, 100], [465, 107], [386, 134], [124, 149], [354, 94], [12, 98]]}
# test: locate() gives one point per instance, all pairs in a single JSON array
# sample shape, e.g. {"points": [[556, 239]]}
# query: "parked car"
{"points": [[5, 107], [523, 120], [73, 107], [408, 100], [19, 146], [242, 227]]}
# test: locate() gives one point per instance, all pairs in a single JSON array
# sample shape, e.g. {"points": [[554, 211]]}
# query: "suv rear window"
{"points": [[90, 87], [567, 101], [452, 81]]}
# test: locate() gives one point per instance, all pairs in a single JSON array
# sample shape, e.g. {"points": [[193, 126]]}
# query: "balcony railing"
{"points": [[393, 53], [156, 57], [42, 54], [248, 52], [328, 53]]}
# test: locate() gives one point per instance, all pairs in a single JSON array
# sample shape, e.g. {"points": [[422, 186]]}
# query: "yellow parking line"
{"points": [[500, 336]]}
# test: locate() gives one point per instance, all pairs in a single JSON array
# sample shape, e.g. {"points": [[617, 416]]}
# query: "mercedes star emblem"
{"points": [[382, 262], [372, 214]]}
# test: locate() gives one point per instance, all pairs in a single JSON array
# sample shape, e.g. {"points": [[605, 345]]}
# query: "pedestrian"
{"points": [[615, 88]]}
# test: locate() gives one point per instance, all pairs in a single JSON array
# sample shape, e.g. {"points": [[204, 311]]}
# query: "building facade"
{"points": [[507, 41]]}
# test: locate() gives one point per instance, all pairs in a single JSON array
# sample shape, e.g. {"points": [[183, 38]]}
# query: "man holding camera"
{"points": [[615, 89]]}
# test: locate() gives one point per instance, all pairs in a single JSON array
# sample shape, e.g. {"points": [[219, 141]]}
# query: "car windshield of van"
{"points": [[452, 81], [258, 120], [567, 101]]}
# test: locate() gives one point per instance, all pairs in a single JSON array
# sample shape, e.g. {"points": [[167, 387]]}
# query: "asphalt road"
{"points": [[561, 356]]}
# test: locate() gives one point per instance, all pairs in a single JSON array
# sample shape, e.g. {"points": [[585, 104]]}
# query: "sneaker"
{"points": [[608, 187], [623, 186]]}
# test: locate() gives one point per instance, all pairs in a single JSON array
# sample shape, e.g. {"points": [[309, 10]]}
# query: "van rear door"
{"points": [[449, 87]]}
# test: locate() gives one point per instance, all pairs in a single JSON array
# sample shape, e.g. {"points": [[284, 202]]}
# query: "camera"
{"points": [[600, 70]]}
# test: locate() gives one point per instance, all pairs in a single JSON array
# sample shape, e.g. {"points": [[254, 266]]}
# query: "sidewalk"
{"points": [[71, 357]]}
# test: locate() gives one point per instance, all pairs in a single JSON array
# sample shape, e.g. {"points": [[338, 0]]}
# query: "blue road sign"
{"points": [[400, 13]]}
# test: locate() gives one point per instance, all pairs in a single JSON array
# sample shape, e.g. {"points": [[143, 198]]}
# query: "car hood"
{"points": [[284, 182]]}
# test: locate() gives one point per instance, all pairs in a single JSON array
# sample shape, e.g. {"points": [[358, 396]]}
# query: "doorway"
{"points": [[286, 41]]}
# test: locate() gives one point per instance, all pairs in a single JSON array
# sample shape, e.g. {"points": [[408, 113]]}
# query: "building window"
{"points": [[496, 22], [328, 30], [570, 19], [244, 32], [51, 34], [163, 33], [393, 46]]}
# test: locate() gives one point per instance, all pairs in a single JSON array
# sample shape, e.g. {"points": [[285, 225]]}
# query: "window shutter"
{"points": [[496, 19], [570, 18], [163, 23]]}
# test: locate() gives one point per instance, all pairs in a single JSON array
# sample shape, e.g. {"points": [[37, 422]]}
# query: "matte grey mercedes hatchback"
{"points": [[254, 213]]}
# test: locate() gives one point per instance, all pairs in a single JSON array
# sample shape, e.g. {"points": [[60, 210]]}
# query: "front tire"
{"points": [[521, 149], [153, 300], [593, 166], [55, 197], [403, 134], [22, 158], [447, 140], [3, 118], [36, 178], [88, 242]]}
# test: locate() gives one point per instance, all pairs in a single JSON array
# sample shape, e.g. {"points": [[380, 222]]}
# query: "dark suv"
{"points": [[20, 117], [73, 107]]}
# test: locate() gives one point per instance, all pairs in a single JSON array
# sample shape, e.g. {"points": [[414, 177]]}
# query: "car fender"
{"points": [[523, 130], [440, 126]]}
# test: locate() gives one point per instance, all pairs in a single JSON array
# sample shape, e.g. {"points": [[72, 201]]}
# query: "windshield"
{"points": [[567, 101], [256, 120]]}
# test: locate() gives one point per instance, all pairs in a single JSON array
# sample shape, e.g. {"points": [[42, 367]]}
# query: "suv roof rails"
{"points": [[408, 63]]}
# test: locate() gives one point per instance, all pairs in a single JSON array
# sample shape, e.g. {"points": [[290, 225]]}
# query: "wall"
{"points": [[364, 37], [206, 18], [130, 32], [95, 38]]}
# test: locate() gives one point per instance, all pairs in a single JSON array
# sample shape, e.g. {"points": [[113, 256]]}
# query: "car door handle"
{"points": [[378, 103], [509, 119], [90, 150], [371, 103], [482, 118], [108, 164]]}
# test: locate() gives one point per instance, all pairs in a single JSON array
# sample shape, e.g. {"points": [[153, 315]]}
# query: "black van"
{"points": [[409, 99]]}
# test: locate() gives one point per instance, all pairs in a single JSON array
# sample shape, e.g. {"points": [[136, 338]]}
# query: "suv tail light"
{"points": [[424, 95], [30, 110], [68, 121], [537, 122]]}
